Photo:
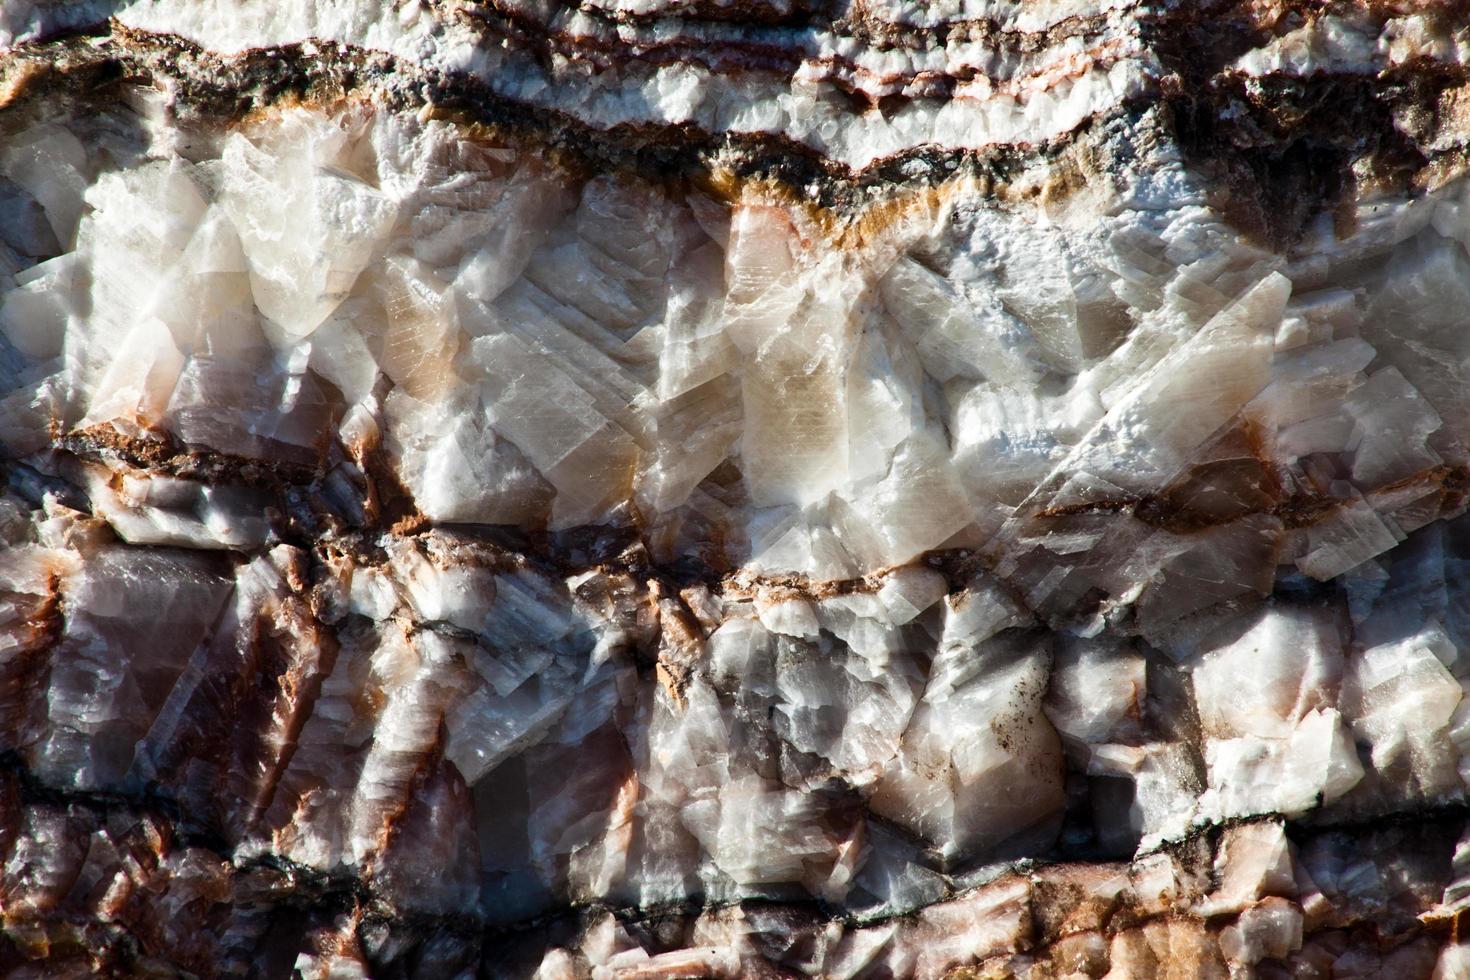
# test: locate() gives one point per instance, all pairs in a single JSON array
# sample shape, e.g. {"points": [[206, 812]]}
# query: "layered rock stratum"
{"points": [[766, 488]]}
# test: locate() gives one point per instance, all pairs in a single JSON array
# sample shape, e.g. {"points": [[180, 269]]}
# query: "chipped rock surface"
{"points": [[671, 488]]}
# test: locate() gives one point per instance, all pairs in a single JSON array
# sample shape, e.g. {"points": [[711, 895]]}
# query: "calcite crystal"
{"points": [[675, 488]]}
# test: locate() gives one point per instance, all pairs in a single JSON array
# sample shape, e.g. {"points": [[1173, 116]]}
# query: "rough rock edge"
{"points": [[621, 557], [1070, 908], [1273, 164], [84, 66]]}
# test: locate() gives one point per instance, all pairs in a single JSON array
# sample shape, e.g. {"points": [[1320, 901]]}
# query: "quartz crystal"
{"points": [[633, 489]]}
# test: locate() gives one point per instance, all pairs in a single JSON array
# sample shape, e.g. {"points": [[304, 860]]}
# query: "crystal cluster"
{"points": [[647, 488]]}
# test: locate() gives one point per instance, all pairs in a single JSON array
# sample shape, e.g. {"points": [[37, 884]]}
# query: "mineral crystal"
{"points": [[664, 488]]}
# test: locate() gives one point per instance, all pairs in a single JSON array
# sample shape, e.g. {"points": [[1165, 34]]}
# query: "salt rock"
{"points": [[660, 488]]}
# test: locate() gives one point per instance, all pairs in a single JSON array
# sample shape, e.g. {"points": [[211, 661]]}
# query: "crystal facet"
{"points": [[659, 488]]}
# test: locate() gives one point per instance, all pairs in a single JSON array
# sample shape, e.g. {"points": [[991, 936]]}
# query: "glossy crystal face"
{"points": [[441, 541]]}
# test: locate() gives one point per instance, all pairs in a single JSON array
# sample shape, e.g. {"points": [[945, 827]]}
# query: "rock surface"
{"points": [[663, 488]]}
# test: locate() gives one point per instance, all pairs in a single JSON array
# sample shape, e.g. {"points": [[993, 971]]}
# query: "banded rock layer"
{"points": [[665, 489]]}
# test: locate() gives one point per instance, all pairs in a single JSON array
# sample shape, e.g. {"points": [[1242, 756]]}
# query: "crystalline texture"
{"points": [[668, 488]]}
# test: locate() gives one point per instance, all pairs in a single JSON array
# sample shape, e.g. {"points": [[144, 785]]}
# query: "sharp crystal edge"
{"points": [[771, 488]]}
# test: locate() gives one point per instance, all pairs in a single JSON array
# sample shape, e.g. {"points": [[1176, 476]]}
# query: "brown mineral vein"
{"points": [[881, 90], [25, 670], [1173, 509], [1277, 166], [1050, 914], [858, 20], [158, 451]]}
